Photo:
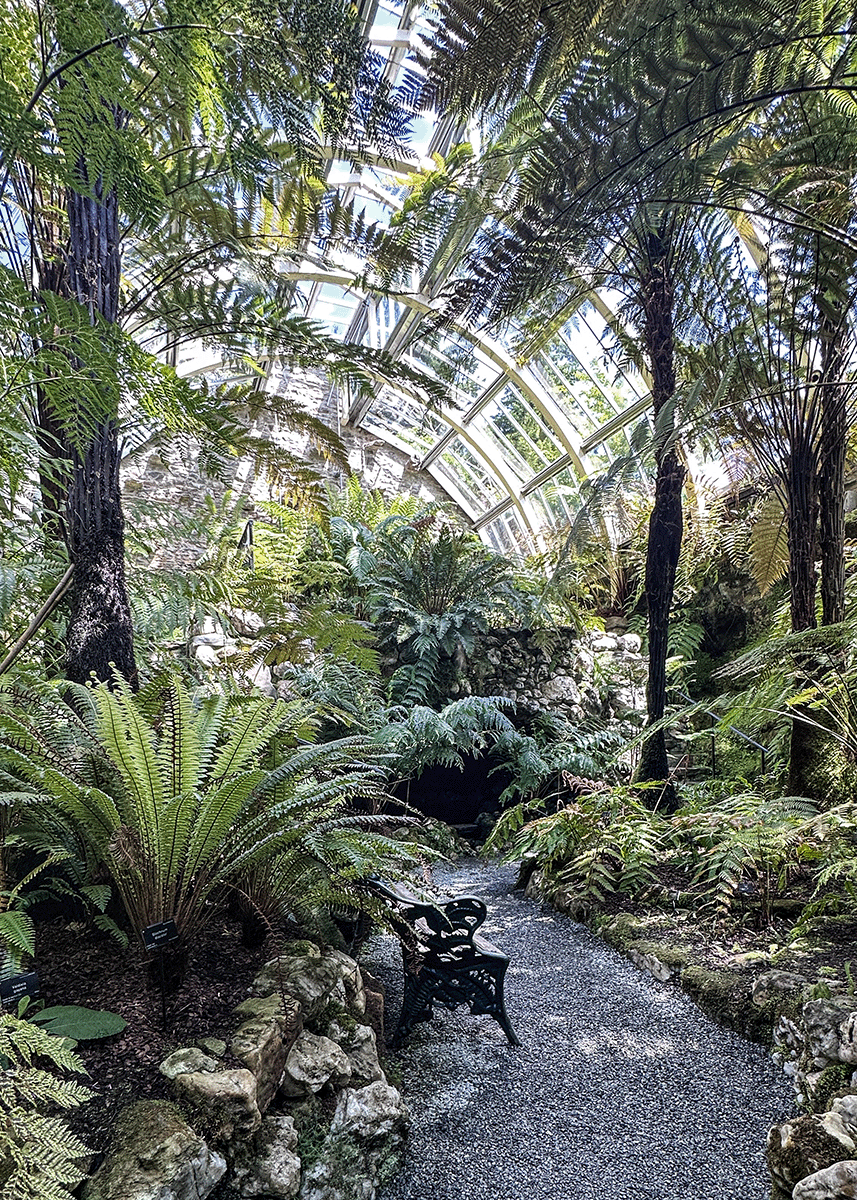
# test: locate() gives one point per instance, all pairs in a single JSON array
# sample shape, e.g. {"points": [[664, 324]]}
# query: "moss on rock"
{"points": [[726, 996], [833, 1081]]}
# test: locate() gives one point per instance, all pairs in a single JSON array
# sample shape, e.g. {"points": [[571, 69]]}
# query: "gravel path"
{"points": [[623, 1089]]}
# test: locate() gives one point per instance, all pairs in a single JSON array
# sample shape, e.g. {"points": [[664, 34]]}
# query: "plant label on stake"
{"points": [[157, 937], [18, 986]]}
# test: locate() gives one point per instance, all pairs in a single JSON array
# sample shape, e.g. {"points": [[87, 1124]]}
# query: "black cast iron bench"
{"points": [[447, 960]]}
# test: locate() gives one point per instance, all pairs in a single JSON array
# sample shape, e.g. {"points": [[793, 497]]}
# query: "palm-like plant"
{"points": [[178, 797], [433, 592], [664, 96]]}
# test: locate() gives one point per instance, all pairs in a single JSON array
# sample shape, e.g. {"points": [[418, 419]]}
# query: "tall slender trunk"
{"points": [[802, 523], [817, 493], [834, 390], [100, 630], [808, 745], [665, 523]]}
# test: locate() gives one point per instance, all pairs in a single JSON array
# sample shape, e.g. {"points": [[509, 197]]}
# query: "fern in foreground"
{"points": [[39, 1156]]}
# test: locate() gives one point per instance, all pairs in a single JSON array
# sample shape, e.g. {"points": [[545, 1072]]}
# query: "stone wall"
{"points": [[251, 1099], [171, 479], [560, 671]]}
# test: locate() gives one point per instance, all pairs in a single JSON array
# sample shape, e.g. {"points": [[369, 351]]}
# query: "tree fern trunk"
{"points": [[808, 745], [665, 523], [831, 475], [816, 764], [802, 521], [662, 552], [100, 629]]}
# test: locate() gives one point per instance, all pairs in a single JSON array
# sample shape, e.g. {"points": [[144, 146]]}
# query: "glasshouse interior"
{"points": [[428, 600]]}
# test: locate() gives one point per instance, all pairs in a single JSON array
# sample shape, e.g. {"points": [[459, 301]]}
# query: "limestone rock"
{"points": [[261, 1006], [352, 982], [847, 1052], [370, 1113], [361, 1049], [838, 1182], [568, 901], [811, 1143], [788, 1036], [189, 1059], [822, 1021], [363, 1147], [155, 1155], [561, 688], [341, 1177], [312, 1062], [651, 963], [216, 1047], [776, 983], [263, 1045], [226, 1101], [535, 884], [274, 1169], [374, 1014], [314, 981]]}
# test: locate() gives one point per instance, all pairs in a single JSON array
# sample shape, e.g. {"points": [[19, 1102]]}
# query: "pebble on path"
{"points": [[622, 1090]]}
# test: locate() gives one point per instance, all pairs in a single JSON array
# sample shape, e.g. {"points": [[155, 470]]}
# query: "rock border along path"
{"points": [[623, 1089]]}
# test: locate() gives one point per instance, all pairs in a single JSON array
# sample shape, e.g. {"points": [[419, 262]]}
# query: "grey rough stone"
{"points": [[312, 1062], [363, 1147], [822, 1020], [776, 983], [838, 1182], [271, 1005], [651, 963], [263, 1044], [361, 1049], [272, 1169], [352, 981], [847, 1051], [568, 901], [535, 883], [155, 1155], [226, 1101], [811, 1143], [313, 981], [214, 1046], [186, 1060], [371, 1112]]}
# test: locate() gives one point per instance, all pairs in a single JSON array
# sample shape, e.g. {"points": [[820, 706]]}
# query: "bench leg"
{"points": [[501, 1016], [502, 1019], [417, 996], [480, 987], [495, 1004]]}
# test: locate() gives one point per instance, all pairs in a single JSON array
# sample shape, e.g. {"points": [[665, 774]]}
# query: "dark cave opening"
{"points": [[454, 796]]}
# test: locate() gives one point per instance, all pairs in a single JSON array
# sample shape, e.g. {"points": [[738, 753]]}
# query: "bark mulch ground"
{"points": [[78, 965]]}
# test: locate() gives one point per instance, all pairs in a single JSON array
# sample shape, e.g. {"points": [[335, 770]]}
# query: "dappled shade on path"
{"points": [[622, 1090]]}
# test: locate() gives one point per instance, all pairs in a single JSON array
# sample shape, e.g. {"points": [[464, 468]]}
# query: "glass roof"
{"points": [[517, 437]]}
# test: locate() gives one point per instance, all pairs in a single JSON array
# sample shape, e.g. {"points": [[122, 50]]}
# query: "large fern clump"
{"points": [[179, 795], [434, 591], [601, 844], [40, 1159]]}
